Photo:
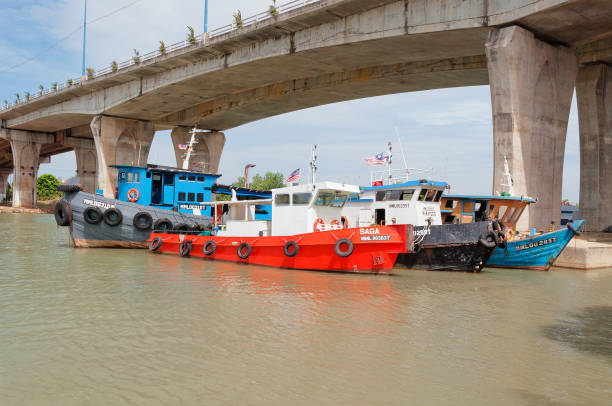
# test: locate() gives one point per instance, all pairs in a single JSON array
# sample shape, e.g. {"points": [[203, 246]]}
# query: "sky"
{"points": [[449, 130]]}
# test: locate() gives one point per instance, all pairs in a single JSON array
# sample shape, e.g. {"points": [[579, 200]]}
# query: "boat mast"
{"points": [[389, 164], [313, 164], [509, 181], [192, 142]]}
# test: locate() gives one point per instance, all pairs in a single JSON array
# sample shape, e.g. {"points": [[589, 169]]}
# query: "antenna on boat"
{"points": [[389, 163], [402, 150], [510, 183], [313, 164]]}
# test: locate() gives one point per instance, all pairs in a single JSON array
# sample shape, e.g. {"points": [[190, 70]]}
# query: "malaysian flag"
{"points": [[293, 176], [377, 159]]}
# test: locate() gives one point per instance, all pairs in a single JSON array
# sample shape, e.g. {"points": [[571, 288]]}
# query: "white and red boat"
{"points": [[306, 231]]}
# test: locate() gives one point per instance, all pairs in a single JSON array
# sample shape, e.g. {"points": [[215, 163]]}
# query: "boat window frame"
{"points": [[168, 176], [136, 177], [179, 197], [431, 195], [129, 177], [191, 178], [406, 192], [200, 179], [200, 197], [422, 194], [438, 196], [301, 203], [122, 177], [191, 196], [182, 177], [277, 201]]}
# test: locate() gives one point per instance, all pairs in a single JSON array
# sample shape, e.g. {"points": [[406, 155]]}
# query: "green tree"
{"points": [[271, 180], [9, 193], [46, 187]]}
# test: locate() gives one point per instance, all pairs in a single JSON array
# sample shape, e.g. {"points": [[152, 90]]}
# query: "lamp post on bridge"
{"points": [[84, 37], [205, 16]]}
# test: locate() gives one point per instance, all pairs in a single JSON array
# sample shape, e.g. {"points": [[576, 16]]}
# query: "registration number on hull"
{"points": [[535, 244]]}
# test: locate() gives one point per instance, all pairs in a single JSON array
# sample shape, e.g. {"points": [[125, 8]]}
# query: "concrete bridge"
{"points": [[533, 53]]}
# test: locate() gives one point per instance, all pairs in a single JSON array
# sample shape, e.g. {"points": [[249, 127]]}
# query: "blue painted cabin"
{"points": [[166, 188]]}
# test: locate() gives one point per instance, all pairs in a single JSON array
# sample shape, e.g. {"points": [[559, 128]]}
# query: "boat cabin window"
{"points": [[380, 196], [422, 195], [438, 196], [168, 179], [431, 194], [302, 198], [451, 204], [407, 194], [148, 175], [121, 176], [191, 197], [182, 177], [200, 178], [192, 179], [129, 177], [281, 200], [200, 197], [156, 189], [136, 177], [181, 196], [480, 209], [330, 199], [509, 214]]}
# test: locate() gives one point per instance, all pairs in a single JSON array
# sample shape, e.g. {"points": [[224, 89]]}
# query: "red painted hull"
{"points": [[375, 249]]}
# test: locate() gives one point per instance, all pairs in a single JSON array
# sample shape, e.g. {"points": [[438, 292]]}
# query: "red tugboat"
{"points": [[306, 232]]}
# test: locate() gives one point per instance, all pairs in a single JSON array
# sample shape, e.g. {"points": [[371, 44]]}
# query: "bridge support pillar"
{"points": [[26, 157], [119, 142], [207, 152], [87, 170], [532, 85], [594, 94], [4, 175]]}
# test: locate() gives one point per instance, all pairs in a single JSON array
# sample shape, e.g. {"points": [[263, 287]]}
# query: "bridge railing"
{"points": [[200, 40]]}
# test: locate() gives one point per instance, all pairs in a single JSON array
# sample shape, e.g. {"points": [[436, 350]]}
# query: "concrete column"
{"points": [[207, 152], [26, 155], [4, 175], [594, 93], [119, 142], [532, 84], [87, 168]]}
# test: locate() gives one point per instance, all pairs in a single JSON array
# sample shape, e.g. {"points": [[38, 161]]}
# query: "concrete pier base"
{"points": [[207, 152], [119, 142], [4, 175], [594, 94], [87, 168], [26, 156], [587, 251], [532, 84]]}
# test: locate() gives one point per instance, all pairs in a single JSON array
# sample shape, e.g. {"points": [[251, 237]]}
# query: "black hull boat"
{"points": [[96, 221], [451, 247]]}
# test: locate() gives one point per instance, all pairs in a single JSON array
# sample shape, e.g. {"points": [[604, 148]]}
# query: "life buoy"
{"points": [[315, 226], [185, 248], [246, 247], [340, 243], [291, 252], [209, 247], [155, 244], [133, 195]]}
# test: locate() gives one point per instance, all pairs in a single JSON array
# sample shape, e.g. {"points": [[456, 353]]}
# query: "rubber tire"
{"points": [[163, 221], [346, 253], [185, 248], [146, 222], [155, 244], [69, 188], [97, 212], [248, 250], [485, 242], [209, 251], [62, 213], [116, 219], [571, 227], [289, 244], [182, 227]]}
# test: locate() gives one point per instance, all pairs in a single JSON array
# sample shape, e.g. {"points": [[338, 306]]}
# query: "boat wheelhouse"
{"points": [[166, 188]]}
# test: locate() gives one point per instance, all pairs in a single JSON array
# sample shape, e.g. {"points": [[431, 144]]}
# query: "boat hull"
{"points": [[375, 249], [448, 247], [123, 235], [537, 253]]}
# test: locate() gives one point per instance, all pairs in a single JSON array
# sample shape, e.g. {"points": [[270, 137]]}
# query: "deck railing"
{"points": [[202, 39]]}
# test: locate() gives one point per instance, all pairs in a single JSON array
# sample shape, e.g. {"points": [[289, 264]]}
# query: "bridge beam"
{"points": [[207, 152], [4, 175], [119, 142], [532, 85], [594, 94]]}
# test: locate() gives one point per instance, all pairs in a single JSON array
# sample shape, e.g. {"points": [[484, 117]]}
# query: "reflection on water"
{"points": [[589, 330], [93, 326]]}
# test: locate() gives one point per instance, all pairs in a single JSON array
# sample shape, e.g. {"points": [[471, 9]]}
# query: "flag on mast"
{"points": [[293, 176], [377, 159]]}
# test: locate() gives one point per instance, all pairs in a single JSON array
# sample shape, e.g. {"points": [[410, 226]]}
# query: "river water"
{"points": [[125, 327]]}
